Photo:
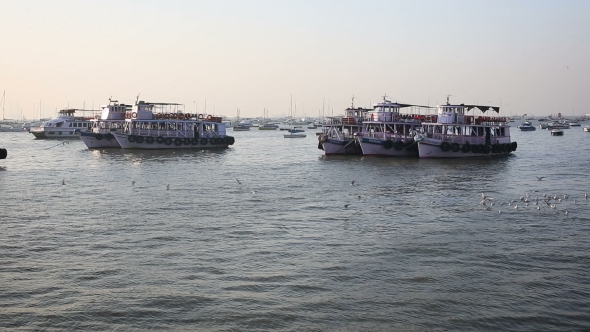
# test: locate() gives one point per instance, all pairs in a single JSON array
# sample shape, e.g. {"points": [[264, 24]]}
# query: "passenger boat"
{"points": [[527, 126], [556, 132], [587, 128], [149, 128], [387, 132], [337, 136], [100, 133], [64, 125], [458, 135]]}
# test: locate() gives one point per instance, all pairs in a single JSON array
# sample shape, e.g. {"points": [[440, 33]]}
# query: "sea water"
{"points": [[272, 235]]}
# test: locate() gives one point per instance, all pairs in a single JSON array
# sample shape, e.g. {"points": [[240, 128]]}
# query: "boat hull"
{"points": [[378, 147], [341, 147], [53, 134], [161, 143], [433, 149], [98, 140]]}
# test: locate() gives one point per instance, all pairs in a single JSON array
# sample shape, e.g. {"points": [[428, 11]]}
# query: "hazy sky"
{"points": [[525, 56]]}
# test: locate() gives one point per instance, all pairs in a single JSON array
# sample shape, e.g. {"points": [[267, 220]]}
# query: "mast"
{"points": [[3, 102]]}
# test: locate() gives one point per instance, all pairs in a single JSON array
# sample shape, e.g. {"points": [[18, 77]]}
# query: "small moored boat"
{"points": [[556, 132]]}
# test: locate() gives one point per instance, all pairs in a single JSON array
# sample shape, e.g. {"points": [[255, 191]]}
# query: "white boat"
{"points": [[587, 128], [558, 125], [337, 136], [527, 126], [556, 132], [387, 132], [148, 129], [243, 125], [65, 124], [575, 123], [11, 128], [100, 134], [457, 135]]}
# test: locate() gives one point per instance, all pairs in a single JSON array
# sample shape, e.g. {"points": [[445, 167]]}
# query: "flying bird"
{"points": [[238, 181], [352, 183], [346, 206], [539, 178]]}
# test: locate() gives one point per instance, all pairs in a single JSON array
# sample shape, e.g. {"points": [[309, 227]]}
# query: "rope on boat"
{"points": [[62, 143]]}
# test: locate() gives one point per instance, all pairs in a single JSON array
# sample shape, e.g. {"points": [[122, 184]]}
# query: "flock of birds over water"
{"points": [[488, 203]]}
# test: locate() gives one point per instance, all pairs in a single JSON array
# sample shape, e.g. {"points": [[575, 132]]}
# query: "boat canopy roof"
{"points": [[482, 108]]}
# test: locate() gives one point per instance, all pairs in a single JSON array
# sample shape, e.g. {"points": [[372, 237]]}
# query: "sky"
{"points": [[308, 57]]}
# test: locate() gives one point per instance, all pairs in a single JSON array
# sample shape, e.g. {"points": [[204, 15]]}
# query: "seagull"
{"points": [[499, 211], [167, 187], [586, 196], [63, 182], [516, 207], [359, 196], [346, 206], [352, 183], [538, 207], [238, 181], [566, 212], [539, 178], [132, 183], [253, 192]]}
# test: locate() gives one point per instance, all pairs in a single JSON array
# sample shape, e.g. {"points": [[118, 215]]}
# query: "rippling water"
{"points": [[187, 247]]}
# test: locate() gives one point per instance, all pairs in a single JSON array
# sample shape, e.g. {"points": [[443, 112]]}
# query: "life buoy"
{"points": [[487, 149], [231, 140], [160, 139], [131, 138], [187, 116], [514, 145], [173, 116], [159, 116], [177, 141], [149, 140], [445, 146], [98, 136], [508, 147], [134, 115], [167, 116], [203, 141], [139, 139], [474, 148], [466, 147], [455, 147], [186, 141], [398, 145], [180, 116], [194, 141], [168, 140], [388, 144], [200, 116], [209, 117]]}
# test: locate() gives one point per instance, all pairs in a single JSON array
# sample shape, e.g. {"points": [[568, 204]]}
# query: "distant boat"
{"points": [[527, 126], [587, 128], [295, 133], [556, 132]]}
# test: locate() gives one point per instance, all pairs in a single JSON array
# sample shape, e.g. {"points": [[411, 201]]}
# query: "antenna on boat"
{"points": [[352, 103], [137, 98], [448, 99]]}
